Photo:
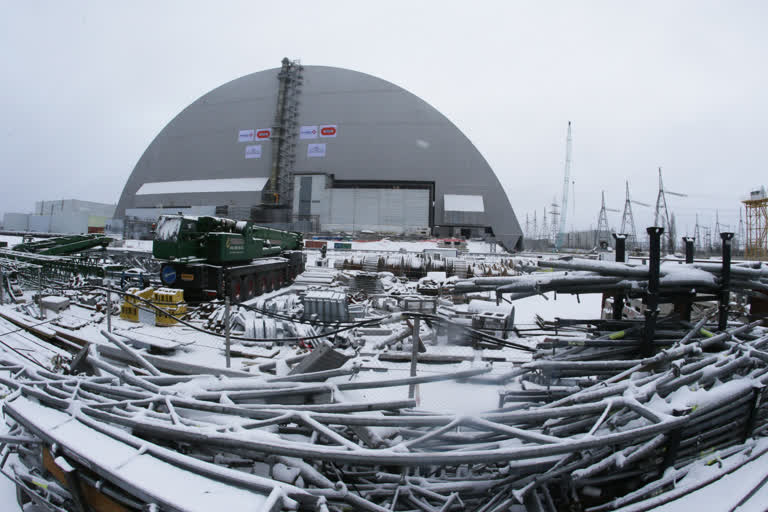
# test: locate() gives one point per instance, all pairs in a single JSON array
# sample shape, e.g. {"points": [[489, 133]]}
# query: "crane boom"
{"points": [[566, 183]]}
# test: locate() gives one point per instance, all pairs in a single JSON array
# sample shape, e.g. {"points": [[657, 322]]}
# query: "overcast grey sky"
{"points": [[86, 86]]}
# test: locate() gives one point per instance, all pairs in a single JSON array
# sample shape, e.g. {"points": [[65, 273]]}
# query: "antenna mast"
{"points": [[566, 183]]}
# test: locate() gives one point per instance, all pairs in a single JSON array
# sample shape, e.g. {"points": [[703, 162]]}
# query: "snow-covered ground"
{"points": [[460, 398]]}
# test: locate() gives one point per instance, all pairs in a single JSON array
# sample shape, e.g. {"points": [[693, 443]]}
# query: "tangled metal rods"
{"points": [[574, 441]]}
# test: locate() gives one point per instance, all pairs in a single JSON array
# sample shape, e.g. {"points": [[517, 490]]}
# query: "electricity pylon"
{"points": [[603, 234], [628, 222]]}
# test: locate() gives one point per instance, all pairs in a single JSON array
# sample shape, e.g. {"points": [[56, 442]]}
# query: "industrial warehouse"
{"points": [[390, 272]]}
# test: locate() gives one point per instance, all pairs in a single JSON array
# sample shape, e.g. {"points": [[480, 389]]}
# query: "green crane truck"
{"points": [[212, 257]]}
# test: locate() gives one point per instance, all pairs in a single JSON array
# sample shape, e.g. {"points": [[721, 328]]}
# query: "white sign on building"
{"points": [[245, 136], [253, 151], [308, 132], [315, 150], [328, 130], [263, 133]]}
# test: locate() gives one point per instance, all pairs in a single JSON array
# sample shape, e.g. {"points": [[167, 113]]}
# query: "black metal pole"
{"points": [[652, 296], [621, 256], [689, 251], [725, 282], [689, 248]]}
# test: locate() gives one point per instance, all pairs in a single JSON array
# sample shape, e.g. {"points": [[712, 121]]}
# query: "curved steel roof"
{"points": [[384, 133]]}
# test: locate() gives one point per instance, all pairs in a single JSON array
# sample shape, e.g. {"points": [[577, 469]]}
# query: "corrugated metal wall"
{"points": [[374, 209]]}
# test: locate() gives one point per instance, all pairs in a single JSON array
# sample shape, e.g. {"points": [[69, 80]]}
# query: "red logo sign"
{"points": [[263, 134], [328, 131]]}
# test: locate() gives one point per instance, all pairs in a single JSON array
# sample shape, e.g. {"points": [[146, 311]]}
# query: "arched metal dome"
{"points": [[382, 133]]}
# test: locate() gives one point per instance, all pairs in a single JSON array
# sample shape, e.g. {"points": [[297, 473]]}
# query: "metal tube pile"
{"points": [[577, 429]]}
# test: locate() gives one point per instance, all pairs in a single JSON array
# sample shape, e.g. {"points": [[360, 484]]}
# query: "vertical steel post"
{"points": [[621, 256], [226, 329], [109, 309], [414, 354], [40, 292], [725, 282], [652, 295], [2, 286], [689, 248], [689, 252]]}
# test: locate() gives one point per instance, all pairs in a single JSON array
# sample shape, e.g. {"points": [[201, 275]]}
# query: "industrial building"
{"points": [[61, 216], [320, 149]]}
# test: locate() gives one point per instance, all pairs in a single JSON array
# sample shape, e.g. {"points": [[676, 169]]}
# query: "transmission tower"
{"points": [[708, 239], [555, 216], [544, 227], [740, 239], [661, 217], [697, 233], [716, 233], [527, 226], [566, 183], [628, 222], [603, 234], [535, 232], [717, 222]]}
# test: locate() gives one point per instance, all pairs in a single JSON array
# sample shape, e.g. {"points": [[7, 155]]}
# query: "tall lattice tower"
{"points": [[544, 227], [757, 225], [661, 216], [628, 222], [527, 226], [566, 183], [603, 234], [708, 239], [741, 235], [556, 212], [717, 222], [697, 234], [535, 229], [716, 244], [285, 130]]}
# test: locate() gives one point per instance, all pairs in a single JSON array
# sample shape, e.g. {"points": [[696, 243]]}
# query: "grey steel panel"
{"points": [[69, 223], [305, 196], [40, 223], [416, 206], [16, 221], [367, 207]]}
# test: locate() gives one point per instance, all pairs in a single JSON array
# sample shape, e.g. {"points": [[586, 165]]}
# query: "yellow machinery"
{"points": [[130, 307], [172, 301], [167, 299]]}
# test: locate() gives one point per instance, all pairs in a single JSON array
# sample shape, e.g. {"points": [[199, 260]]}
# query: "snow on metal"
{"points": [[463, 203], [198, 186]]}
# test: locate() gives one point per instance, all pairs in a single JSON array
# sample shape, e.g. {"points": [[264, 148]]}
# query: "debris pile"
{"points": [[572, 430]]}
